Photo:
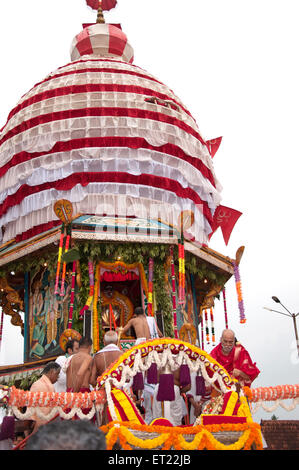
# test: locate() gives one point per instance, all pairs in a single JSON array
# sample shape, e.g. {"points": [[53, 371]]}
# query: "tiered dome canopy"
{"points": [[107, 136]]}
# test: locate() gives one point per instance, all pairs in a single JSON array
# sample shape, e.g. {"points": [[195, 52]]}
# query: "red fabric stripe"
{"points": [[109, 177], [99, 112], [88, 88], [83, 42], [130, 142], [117, 40], [32, 232]]}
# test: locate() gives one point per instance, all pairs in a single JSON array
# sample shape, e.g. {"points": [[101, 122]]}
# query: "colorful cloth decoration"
{"points": [[239, 293], [207, 327]]}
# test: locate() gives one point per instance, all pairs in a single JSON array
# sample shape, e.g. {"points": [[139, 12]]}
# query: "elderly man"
{"points": [[45, 384], [235, 359], [105, 356]]}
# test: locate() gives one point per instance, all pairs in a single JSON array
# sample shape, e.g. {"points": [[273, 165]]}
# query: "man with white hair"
{"points": [[106, 356], [235, 359]]}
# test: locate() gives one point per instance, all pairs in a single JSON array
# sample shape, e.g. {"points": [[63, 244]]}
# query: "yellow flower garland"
{"points": [[173, 437]]}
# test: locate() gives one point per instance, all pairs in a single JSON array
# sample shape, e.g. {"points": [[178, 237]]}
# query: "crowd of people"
{"points": [[78, 371]]}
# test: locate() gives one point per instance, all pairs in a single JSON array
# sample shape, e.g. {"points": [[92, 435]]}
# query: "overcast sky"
{"points": [[234, 64]]}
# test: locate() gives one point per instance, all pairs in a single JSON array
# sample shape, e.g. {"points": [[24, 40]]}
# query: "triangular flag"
{"points": [[226, 218], [213, 145]]}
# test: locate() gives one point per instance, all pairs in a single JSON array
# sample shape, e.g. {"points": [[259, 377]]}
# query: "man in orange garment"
{"points": [[45, 384], [235, 359]]}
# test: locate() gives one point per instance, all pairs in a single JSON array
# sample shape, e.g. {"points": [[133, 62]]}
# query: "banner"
{"points": [[226, 218], [213, 145]]}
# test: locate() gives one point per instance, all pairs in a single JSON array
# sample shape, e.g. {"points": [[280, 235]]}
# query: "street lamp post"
{"points": [[289, 314]]}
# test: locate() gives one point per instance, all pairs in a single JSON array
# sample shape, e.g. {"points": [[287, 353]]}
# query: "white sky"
{"points": [[234, 64]]}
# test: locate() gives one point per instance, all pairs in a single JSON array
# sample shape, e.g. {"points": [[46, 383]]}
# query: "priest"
{"points": [[235, 359]]}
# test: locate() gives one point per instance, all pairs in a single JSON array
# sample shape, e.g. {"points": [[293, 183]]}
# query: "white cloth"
{"points": [[152, 327], [140, 340], [148, 396], [60, 385], [172, 409], [109, 348]]}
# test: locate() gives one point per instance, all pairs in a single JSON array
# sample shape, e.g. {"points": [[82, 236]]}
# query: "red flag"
{"points": [[106, 4], [213, 145], [226, 218]]}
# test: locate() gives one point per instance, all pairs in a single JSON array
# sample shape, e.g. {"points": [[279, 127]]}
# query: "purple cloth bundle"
{"points": [[166, 388], [200, 385], [152, 374], [185, 377], [7, 428], [138, 383]]}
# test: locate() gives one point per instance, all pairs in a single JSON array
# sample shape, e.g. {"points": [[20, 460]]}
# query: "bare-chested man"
{"points": [[105, 356], [79, 368], [145, 327]]}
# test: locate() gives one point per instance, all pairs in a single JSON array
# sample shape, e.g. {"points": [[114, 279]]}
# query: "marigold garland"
{"points": [[174, 437], [150, 287], [59, 259], [239, 293], [91, 291], [95, 317], [174, 311]]}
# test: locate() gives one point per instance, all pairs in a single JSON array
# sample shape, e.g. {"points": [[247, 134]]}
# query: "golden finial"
{"points": [[100, 16]]}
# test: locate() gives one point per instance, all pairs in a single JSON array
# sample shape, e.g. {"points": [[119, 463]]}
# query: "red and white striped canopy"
{"points": [[109, 137]]}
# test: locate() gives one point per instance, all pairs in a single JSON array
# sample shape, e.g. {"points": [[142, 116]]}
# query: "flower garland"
{"points": [[212, 326], [239, 293], [173, 293], [181, 248], [95, 317], [70, 320], [91, 291], [59, 403], [173, 437], [170, 352], [207, 327], [150, 287], [67, 244], [59, 259]]}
